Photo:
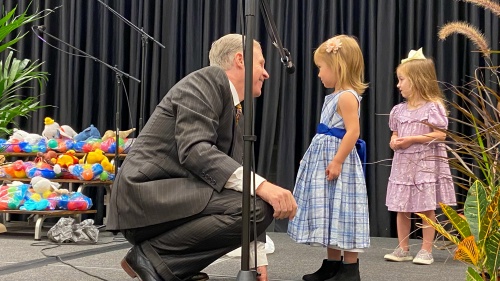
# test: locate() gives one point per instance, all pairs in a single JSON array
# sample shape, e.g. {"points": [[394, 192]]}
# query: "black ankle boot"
{"points": [[347, 272], [327, 270]]}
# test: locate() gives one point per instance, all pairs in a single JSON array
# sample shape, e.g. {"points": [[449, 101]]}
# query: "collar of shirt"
{"points": [[236, 99]]}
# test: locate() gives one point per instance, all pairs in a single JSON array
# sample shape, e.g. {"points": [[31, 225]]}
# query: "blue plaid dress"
{"points": [[330, 213]]}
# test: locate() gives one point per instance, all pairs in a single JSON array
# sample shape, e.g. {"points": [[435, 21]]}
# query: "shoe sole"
{"points": [[128, 269], [396, 259], [423, 262]]}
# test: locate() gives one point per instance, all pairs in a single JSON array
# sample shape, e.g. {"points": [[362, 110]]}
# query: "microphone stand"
{"points": [[248, 137], [144, 41], [119, 75]]}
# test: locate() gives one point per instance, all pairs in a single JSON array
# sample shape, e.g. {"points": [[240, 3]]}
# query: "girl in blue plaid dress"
{"points": [[330, 189]]}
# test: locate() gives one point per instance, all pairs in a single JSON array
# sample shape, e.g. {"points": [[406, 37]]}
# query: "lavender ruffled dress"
{"points": [[420, 175]]}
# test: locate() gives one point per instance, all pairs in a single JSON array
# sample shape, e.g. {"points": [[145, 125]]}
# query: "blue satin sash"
{"points": [[339, 133]]}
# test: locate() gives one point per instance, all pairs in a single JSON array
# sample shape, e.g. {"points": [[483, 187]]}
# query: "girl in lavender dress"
{"points": [[420, 176], [330, 190]]}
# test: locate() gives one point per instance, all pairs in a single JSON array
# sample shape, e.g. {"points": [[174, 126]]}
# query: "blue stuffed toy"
{"points": [[89, 133]]}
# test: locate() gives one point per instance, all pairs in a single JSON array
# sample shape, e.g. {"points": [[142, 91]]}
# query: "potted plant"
{"points": [[476, 232], [16, 74]]}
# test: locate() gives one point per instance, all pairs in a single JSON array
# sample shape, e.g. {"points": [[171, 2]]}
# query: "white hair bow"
{"points": [[414, 55]]}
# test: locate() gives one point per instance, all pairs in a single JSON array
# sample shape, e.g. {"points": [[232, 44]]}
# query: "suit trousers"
{"points": [[182, 248]]}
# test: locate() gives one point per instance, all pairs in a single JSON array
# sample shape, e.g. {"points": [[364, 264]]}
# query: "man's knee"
{"points": [[263, 213]]}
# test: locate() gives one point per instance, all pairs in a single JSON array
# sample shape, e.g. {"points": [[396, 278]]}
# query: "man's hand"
{"points": [[280, 199]]}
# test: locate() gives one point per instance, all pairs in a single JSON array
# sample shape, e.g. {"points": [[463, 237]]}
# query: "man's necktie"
{"points": [[238, 112]]}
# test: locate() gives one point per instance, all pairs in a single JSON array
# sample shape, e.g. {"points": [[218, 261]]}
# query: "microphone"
{"points": [[41, 27], [287, 62], [285, 57], [271, 30]]}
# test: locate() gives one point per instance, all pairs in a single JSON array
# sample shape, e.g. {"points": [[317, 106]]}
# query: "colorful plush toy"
{"points": [[89, 133], [21, 136], [52, 130], [40, 194], [98, 156], [44, 186], [41, 186], [48, 157], [122, 134], [67, 159]]}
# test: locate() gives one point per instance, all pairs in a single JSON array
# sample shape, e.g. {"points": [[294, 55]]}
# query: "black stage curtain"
{"points": [[84, 92]]}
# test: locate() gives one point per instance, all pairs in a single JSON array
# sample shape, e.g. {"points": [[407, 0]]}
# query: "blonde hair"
{"points": [[223, 50], [423, 79], [346, 62]]}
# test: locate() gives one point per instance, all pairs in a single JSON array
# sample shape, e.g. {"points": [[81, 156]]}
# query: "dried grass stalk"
{"points": [[468, 31]]}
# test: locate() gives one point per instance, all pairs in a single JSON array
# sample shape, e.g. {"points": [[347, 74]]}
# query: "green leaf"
{"points": [[9, 23], [472, 275], [6, 18], [490, 222], [458, 222], [439, 228], [15, 75], [492, 248], [475, 209]]}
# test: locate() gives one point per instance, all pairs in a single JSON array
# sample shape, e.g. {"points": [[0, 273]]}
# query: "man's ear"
{"points": [[239, 60]]}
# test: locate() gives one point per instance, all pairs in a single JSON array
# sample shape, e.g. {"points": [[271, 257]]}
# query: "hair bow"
{"points": [[414, 55]]}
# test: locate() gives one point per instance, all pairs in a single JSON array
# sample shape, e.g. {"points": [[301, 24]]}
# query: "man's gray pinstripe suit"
{"points": [[169, 195]]}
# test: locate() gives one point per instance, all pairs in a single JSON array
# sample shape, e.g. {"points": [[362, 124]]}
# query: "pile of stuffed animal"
{"points": [[41, 194], [56, 150], [62, 138]]}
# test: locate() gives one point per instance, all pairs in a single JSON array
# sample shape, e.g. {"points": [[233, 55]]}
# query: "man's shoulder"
{"points": [[210, 76], [207, 81], [214, 71]]}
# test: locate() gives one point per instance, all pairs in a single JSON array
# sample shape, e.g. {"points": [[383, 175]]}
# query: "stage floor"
{"points": [[22, 258]]}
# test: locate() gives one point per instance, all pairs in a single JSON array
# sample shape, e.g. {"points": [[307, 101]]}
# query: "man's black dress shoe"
{"points": [[200, 276], [136, 264]]}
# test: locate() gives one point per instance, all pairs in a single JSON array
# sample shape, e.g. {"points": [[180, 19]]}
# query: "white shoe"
{"points": [[399, 255], [423, 257]]}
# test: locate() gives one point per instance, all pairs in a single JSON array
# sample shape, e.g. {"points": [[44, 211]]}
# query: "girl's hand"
{"points": [[404, 142], [393, 145], [333, 170]]}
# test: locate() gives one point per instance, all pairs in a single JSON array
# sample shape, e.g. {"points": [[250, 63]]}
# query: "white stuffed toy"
{"points": [[52, 130], [21, 135], [18, 135], [42, 185]]}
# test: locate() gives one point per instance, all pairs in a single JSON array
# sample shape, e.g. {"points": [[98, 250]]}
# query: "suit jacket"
{"points": [[189, 147]]}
